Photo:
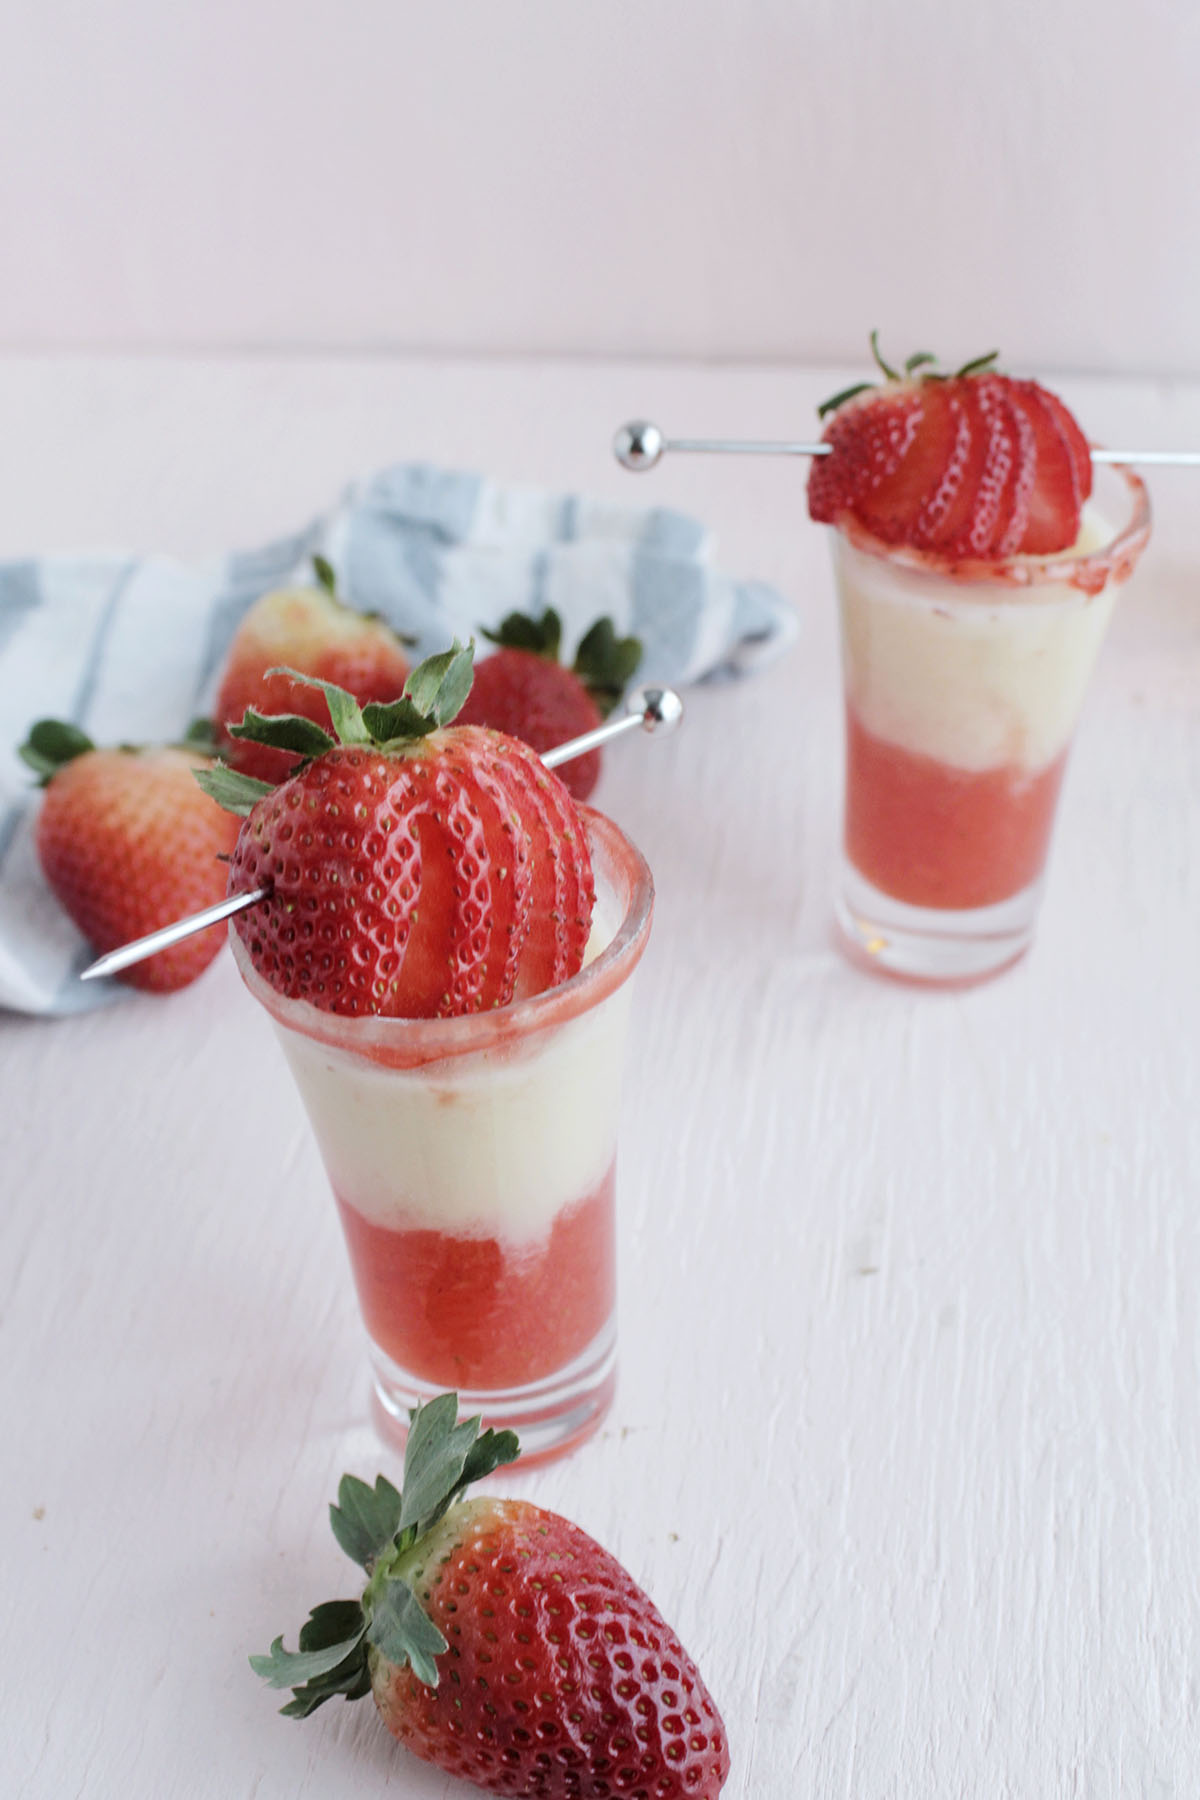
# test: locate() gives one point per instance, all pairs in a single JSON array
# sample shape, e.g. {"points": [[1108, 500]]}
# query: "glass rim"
{"points": [[412, 1043], [1088, 570]]}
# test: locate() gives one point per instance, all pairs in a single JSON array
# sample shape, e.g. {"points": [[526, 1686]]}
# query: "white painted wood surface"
{"points": [[907, 1438]]}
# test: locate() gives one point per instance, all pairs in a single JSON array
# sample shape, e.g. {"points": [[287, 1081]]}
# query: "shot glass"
{"points": [[963, 686], [473, 1162]]}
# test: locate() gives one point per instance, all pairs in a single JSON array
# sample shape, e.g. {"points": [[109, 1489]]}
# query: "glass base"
{"points": [[550, 1416], [930, 945]]}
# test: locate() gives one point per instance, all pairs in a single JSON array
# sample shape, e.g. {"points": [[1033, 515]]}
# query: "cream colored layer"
{"points": [[976, 682], [493, 1145]]}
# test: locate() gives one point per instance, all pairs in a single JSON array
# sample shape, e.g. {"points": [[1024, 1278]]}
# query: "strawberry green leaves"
{"points": [[442, 1458], [604, 662], [236, 792], [433, 695], [438, 686], [331, 1660], [375, 1526], [51, 745], [365, 1520], [402, 1629], [521, 631]]}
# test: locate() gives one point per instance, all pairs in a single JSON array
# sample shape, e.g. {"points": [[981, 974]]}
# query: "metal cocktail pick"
{"points": [[639, 445], [652, 709]]}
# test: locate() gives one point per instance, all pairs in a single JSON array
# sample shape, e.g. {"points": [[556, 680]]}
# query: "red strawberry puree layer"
{"points": [[930, 834], [473, 1312]]}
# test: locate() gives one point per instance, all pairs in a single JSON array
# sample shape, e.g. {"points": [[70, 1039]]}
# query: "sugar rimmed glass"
{"points": [[963, 687], [473, 1162]]}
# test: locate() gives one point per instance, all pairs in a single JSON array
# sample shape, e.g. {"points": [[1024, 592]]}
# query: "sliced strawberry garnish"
{"points": [[974, 465], [1062, 470]]}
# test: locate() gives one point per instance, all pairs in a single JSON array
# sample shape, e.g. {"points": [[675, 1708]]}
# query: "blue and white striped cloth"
{"points": [[130, 648]]}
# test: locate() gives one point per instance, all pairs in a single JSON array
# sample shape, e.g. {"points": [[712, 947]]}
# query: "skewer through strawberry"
{"points": [[971, 465], [412, 868]]}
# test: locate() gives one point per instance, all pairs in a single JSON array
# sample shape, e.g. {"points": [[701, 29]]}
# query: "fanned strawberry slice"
{"points": [[563, 889], [482, 755], [1013, 512], [465, 891], [870, 436], [1064, 472], [968, 513], [950, 415]]}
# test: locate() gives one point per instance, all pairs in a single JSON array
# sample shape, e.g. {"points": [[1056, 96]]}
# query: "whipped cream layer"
{"points": [[975, 674], [493, 1143]]}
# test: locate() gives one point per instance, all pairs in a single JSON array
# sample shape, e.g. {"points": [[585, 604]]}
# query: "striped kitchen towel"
{"points": [[130, 648]]}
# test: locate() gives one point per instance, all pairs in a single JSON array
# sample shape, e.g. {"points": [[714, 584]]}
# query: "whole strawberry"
{"points": [[500, 1641], [310, 631], [970, 466], [128, 843], [414, 869], [524, 688]]}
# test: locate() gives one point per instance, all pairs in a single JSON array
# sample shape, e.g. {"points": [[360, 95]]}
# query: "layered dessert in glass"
{"points": [[473, 1162], [966, 655]]}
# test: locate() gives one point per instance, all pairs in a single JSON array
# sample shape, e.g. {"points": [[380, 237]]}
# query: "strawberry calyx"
{"points": [[53, 743], [378, 1527], [433, 696], [920, 366], [604, 662]]}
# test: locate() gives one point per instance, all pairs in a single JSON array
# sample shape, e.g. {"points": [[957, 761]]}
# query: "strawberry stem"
{"points": [[892, 374], [978, 364]]}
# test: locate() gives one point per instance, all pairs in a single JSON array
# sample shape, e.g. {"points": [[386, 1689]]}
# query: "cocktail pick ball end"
{"points": [[659, 708], [638, 445]]}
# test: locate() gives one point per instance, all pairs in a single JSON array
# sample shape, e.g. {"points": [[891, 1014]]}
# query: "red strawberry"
{"points": [[524, 689], [309, 630], [128, 843], [416, 870], [500, 1641], [969, 465]]}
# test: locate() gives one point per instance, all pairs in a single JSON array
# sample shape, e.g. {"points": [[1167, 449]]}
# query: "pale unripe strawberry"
{"points": [[310, 631], [500, 1641], [128, 843]]}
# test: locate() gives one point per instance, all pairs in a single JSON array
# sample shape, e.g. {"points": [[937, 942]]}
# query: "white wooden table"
{"points": [[907, 1436]]}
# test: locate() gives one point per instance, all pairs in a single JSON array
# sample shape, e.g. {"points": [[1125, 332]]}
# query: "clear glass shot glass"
{"points": [[473, 1162], [963, 686]]}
